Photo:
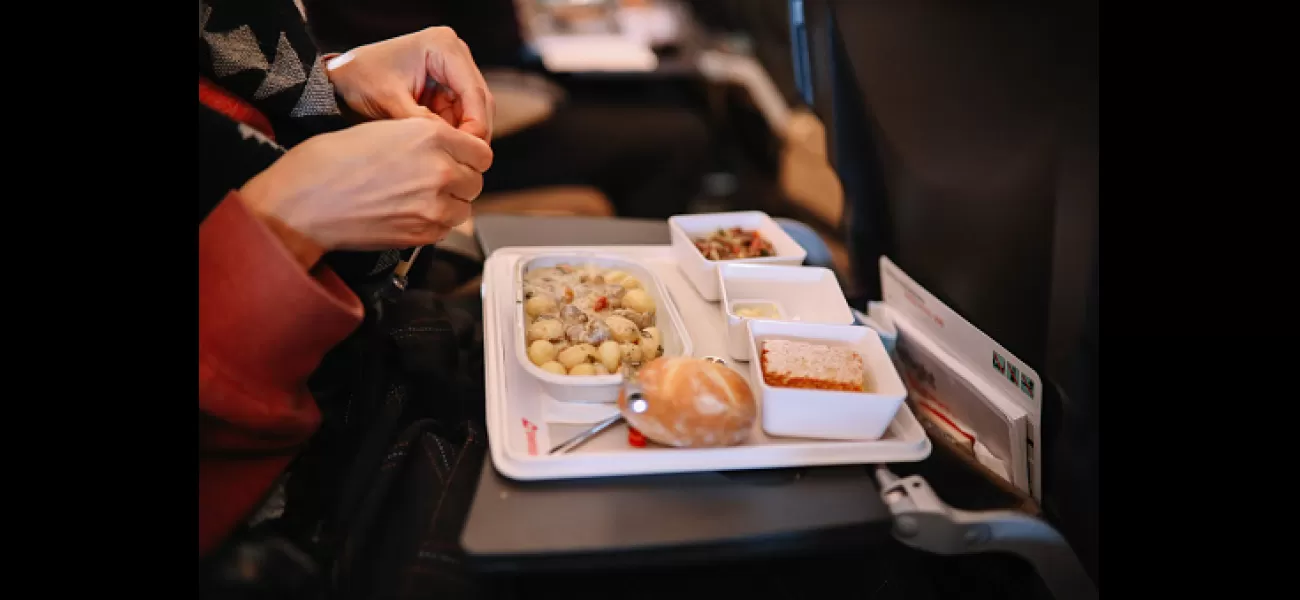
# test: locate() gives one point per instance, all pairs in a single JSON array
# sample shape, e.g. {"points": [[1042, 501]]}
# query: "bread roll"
{"points": [[690, 403]]}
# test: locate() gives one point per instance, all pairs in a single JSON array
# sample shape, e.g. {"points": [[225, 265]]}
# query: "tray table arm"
{"points": [[924, 522]]}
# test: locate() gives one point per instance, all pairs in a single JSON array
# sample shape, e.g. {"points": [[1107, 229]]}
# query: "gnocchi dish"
{"points": [[588, 320]]}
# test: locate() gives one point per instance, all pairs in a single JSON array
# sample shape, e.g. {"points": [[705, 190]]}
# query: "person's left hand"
{"points": [[395, 79]]}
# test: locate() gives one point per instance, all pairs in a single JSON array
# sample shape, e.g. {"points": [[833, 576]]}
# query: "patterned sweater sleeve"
{"points": [[230, 153], [261, 51]]}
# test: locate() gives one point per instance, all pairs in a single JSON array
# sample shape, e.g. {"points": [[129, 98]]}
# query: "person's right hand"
{"points": [[374, 186]]}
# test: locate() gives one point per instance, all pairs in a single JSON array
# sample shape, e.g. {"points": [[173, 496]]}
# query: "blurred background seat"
{"points": [[673, 139], [523, 100], [557, 201]]}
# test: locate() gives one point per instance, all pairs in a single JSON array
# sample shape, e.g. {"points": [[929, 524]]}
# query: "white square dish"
{"points": [[702, 272], [597, 388], [827, 414], [805, 295]]}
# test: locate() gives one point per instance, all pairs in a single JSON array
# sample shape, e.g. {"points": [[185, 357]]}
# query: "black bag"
{"points": [[374, 507]]}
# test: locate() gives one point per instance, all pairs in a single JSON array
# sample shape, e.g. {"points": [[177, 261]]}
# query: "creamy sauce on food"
{"points": [[590, 306]]}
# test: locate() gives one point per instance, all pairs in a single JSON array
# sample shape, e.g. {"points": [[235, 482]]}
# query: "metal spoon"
{"points": [[584, 437]]}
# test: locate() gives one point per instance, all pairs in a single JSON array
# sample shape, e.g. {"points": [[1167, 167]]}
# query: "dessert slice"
{"points": [[794, 364]]}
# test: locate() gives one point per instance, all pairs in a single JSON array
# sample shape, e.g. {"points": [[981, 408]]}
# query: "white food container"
{"points": [[826, 414], [702, 272], [596, 388], [804, 295]]}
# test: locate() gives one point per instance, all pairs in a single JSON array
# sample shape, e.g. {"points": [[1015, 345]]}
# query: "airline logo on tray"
{"points": [[530, 435], [1013, 374]]}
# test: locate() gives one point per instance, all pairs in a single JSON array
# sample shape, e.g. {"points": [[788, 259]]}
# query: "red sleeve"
{"points": [[264, 325]]}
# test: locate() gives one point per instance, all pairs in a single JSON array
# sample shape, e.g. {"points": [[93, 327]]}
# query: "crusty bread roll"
{"points": [[689, 403]]}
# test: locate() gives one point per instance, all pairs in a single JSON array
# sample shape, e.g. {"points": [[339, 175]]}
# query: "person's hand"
{"points": [[379, 185], [396, 78]]}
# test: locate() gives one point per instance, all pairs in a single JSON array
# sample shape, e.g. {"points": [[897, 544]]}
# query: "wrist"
{"points": [[295, 237], [333, 62]]}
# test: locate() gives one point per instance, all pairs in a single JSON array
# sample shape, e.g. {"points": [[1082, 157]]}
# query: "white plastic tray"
{"points": [[524, 422]]}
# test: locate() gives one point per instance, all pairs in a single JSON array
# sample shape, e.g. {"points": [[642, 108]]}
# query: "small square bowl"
{"points": [[804, 295], [827, 414], [702, 272]]}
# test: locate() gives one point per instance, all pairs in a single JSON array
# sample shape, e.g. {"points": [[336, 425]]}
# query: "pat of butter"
{"points": [[758, 311]]}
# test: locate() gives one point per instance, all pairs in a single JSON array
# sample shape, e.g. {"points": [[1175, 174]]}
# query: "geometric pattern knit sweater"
{"points": [[261, 51]]}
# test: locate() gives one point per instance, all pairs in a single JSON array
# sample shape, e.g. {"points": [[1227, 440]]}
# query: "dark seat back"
{"points": [[966, 138]]}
